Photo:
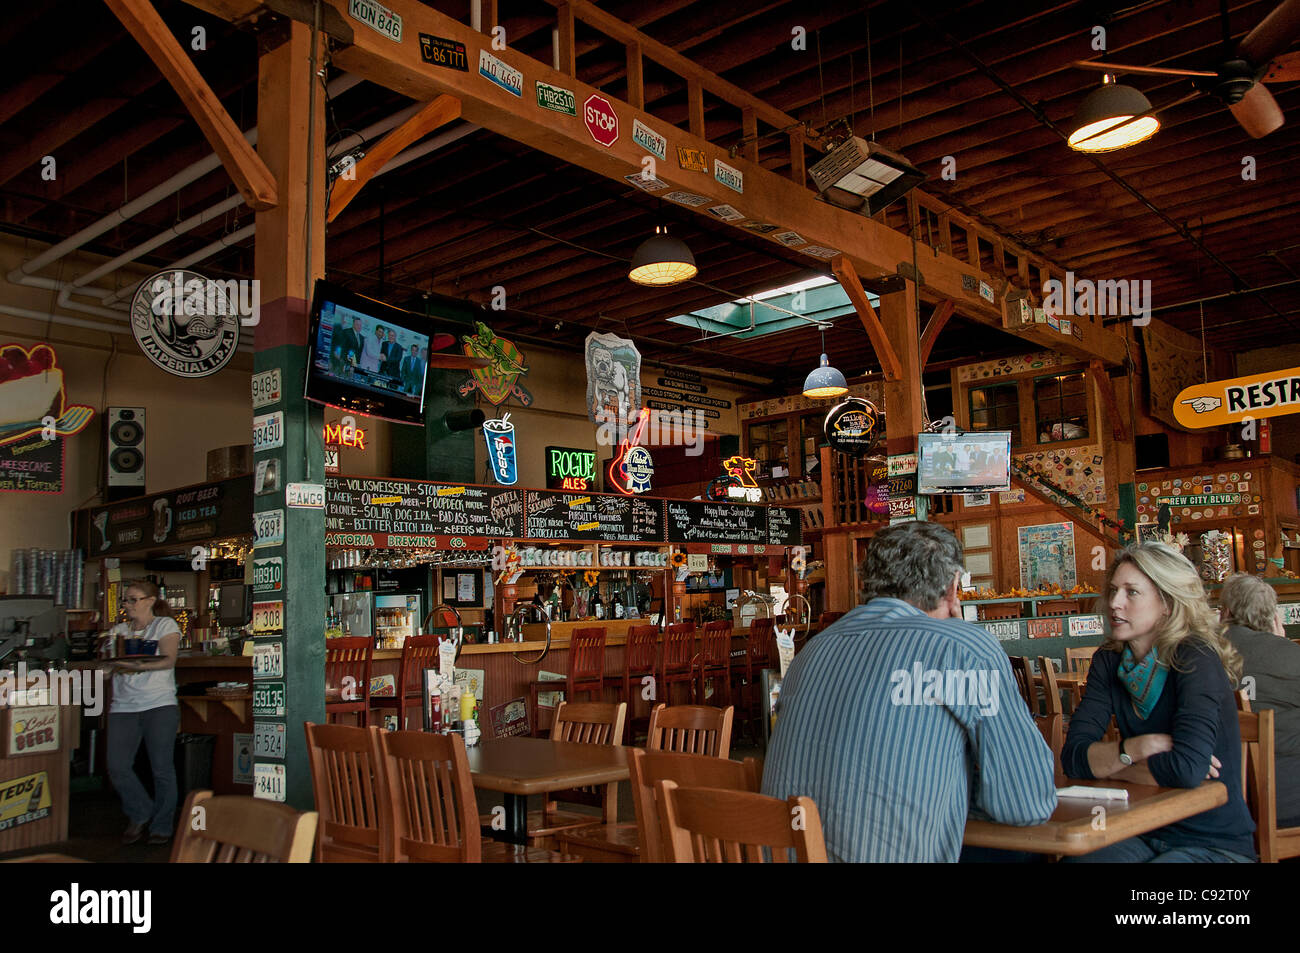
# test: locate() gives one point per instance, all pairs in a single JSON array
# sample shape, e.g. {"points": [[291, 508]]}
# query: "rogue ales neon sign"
{"points": [[568, 468]]}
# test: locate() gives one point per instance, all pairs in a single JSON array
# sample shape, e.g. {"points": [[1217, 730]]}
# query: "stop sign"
{"points": [[601, 121]]}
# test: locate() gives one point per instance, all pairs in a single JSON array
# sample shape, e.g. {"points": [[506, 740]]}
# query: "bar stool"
{"points": [[640, 658], [586, 671], [677, 664], [418, 652], [760, 653], [715, 662], [348, 658]]}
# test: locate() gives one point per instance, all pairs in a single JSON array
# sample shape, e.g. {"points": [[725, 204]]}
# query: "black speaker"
{"points": [[125, 452], [728, 445], [1152, 451]]}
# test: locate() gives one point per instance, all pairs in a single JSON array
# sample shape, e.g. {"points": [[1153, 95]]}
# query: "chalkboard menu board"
{"points": [[695, 521], [593, 516], [783, 526], [413, 508]]}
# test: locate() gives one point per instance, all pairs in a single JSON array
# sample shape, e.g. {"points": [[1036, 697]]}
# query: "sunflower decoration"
{"points": [[678, 560], [591, 577]]}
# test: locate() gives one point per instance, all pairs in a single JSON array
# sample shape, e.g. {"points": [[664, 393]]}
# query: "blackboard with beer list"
{"points": [[697, 521], [354, 505], [594, 516]]}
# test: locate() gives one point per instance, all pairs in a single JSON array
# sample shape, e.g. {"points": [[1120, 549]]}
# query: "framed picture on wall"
{"points": [[463, 588]]}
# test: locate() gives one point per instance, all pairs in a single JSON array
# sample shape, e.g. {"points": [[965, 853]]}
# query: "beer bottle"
{"points": [[35, 803]]}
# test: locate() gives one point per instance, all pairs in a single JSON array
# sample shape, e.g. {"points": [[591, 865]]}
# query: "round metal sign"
{"points": [[185, 323], [853, 426]]}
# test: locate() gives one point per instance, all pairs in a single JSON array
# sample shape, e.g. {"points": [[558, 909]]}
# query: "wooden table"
{"points": [[518, 767], [1070, 829]]}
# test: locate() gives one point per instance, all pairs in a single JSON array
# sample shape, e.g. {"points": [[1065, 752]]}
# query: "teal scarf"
{"points": [[1144, 680]]}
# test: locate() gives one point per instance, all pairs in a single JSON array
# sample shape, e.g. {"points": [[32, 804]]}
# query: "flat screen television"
{"points": [[235, 608], [964, 462], [368, 357]]}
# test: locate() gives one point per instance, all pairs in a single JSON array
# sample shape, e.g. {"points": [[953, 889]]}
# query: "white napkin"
{"points": [[1093, 794]]}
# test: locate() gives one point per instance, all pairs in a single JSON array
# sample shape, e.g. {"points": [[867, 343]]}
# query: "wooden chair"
{"points": [[642, 841], [690, 729], [677, 663], [640, 658], [234, 829], [351, 791], [1053, 729], [348, 659], [586, 671], [708, 825], [431, 806], [418, 652], [715, 662], [1024, 674], [1051, 692], [1258, 781], [1079, 661], [592, 723], [1001, 610], [1059, 608]]}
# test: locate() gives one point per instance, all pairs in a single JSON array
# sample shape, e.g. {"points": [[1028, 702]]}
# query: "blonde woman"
{"points": [[144, 708], [1167, 674]]}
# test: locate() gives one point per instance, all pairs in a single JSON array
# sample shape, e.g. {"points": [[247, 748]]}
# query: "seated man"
{"points": [[898, 716], [1249, 606]]}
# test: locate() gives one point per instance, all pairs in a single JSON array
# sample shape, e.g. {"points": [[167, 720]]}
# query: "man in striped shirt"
{"points": [[900, 719]]}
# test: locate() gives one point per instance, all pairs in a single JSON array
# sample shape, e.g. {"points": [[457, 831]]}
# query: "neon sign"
{"points": [[570, 469], [345, 435], [630, 473]]}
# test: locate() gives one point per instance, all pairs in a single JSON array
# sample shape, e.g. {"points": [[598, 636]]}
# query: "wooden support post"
{"points": [[798, 168], [288, 256], [695, 107], [973, 248], [249, 173], [848, 278], [635, 77], [1105, 387], [749, 130], [945, 234], [564, 25], [437, 113], [903, 408], [942, 312]]}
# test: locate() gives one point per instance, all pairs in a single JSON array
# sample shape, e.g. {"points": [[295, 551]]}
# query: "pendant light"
{"points": [[661, 260], [825, 381], [1112, 117]]}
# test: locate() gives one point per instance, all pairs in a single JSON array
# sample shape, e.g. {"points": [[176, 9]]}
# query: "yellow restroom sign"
{"points": [[1220, 403]]}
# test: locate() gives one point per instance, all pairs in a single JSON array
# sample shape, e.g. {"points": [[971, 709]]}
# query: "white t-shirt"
{"points": [[141, 691]]}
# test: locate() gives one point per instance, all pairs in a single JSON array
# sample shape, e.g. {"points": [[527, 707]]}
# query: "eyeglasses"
{"points": [[132, 600]]}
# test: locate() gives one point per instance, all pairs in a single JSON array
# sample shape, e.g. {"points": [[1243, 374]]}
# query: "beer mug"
{"points": [[162, 519]]}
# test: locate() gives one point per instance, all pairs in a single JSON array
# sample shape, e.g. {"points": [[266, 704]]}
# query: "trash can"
{"points": [[193, 760]]}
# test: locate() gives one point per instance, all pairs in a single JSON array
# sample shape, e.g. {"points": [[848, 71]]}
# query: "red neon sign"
{"points": [[617, 472], [339, 435]]}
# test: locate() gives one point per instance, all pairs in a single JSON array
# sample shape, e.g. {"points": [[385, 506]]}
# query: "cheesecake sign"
{"points": [[34, 417], [188, 324]]}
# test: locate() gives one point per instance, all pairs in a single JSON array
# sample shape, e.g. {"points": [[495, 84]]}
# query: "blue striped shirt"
{"points": [[897, 724]]}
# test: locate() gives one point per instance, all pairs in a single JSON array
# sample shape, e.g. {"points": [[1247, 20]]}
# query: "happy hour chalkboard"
{"points": [[593, 516]]}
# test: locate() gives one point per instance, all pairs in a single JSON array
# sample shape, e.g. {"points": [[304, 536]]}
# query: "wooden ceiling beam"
{"points": [[249, 173], [884, 348], [437, 112], [933, 328]]}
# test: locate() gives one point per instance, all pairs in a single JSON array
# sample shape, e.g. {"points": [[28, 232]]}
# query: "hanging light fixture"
{"points": [[824, 381], [1112, 117], [661, 260]]}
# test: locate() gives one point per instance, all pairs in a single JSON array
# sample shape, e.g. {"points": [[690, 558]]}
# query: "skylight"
{"points": [[818, 299]]}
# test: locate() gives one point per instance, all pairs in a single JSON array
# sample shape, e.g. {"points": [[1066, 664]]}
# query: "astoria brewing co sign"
{"points": [[853, 426]]}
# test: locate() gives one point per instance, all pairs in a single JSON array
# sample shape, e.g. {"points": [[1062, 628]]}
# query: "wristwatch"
{"points": [[1123, 758]]}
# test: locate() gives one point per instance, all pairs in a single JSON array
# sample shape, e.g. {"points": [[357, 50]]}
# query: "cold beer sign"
{"points": [[1220, 403]]}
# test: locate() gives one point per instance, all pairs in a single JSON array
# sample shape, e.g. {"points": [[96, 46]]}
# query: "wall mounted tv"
{"points": [[964, 462], [368, 357]]}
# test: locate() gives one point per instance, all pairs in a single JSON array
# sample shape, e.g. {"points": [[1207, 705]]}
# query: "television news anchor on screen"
{"points": [[1167, 674], [144, 708]]}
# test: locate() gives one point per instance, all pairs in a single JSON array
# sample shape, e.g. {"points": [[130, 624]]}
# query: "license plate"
{"points": [[268, 617], [268, 528], [268, 739], [268, 700], [307, 495], [268, 431], [266, 388], [268, 574], [268, 660], [268, 781]]}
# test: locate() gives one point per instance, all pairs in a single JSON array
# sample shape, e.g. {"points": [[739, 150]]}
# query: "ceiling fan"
{"points": [[1238, 80]]}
